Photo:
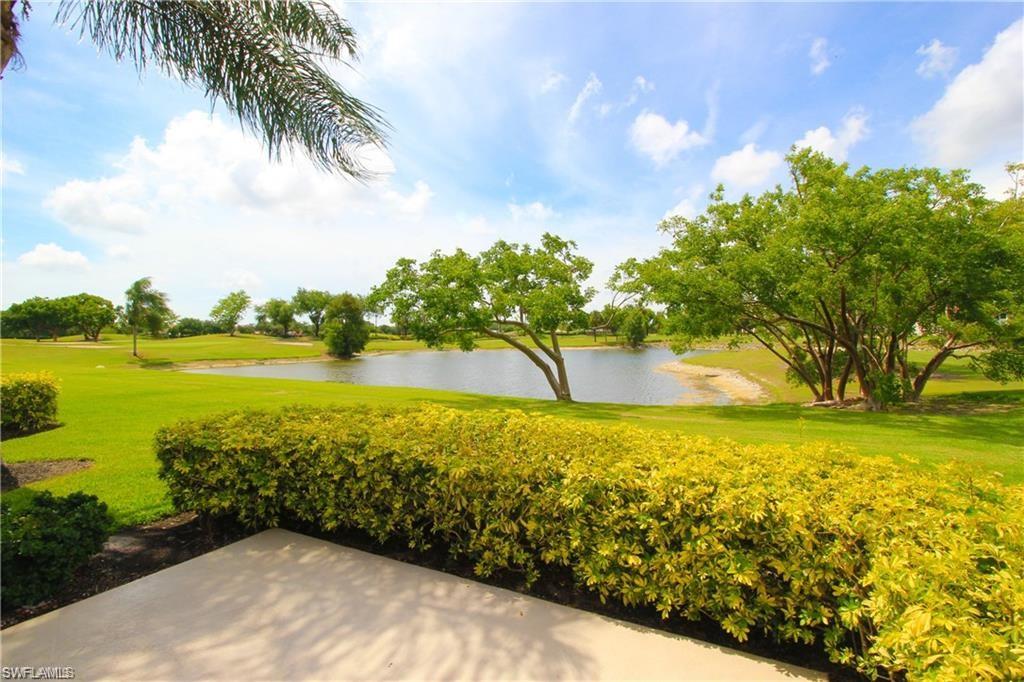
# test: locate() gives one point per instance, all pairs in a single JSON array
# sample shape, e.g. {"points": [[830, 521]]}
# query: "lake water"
{"points": [[595, 375]]}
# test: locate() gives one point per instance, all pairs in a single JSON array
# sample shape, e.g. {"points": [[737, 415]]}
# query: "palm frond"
{"points": [[262, 59]]}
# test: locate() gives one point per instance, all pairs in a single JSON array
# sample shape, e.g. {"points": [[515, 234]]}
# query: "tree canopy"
{"points": [[229, 310], [345, 331], [277, 315], [514, 292], [313, 304], [842, 274], [146, 308]]}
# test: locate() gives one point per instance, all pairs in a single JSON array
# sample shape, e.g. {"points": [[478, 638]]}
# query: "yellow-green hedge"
{"points": [[28, 402], [914, 573]]}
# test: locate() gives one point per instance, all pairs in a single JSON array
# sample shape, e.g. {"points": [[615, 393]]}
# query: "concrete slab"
{"points": [[280, 605]]}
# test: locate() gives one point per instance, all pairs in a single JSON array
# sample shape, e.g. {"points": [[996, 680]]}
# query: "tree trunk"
{"points": [[135, 341], [926, 373], [844, 378], [563, 376]]}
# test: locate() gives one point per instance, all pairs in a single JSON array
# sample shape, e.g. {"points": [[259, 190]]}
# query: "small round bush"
{"points": [[43, 542], [28, 402]]}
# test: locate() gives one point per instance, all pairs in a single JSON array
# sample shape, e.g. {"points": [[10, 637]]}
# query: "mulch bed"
{"points": [[131, 554], [18, 474], [136, 552]]}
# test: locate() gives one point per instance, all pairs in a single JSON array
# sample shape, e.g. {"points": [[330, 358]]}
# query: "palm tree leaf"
{"points": [[262, 59]]}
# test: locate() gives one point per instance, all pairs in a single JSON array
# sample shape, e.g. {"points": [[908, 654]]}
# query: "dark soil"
{"points": [[18, 474], [131, 554], [135, 552]]}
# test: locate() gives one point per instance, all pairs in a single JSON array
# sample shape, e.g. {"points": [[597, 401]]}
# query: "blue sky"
{"points": [[590, 121]]}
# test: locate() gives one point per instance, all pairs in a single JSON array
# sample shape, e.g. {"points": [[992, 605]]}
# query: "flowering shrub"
{"points": [[890, 569], [28, 402]]}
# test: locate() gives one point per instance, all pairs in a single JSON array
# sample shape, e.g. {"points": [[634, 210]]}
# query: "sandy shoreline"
{"points": [[732, 383]]}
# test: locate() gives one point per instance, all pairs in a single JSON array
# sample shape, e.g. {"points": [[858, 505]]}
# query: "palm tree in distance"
{"points": [[261, 58], [144, 307]]}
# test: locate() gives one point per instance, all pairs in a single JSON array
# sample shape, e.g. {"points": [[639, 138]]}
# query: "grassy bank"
{"points": [[111, 405]]}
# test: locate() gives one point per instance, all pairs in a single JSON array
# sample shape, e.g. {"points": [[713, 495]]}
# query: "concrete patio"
{"points": [[280, 605]]}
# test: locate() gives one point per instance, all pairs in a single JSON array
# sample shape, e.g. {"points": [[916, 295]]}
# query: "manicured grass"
{"points": [[111, 405]]}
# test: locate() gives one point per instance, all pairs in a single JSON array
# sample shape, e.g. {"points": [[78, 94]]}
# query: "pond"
{"points": [[595, 375]]}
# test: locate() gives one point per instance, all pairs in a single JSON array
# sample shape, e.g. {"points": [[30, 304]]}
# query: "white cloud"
{"points": [[653, 136], [118, 251], [9, 165], [535, 211], [819, 56], [938, 59], [591, 88], [853, 129], [642, 84], [688, 206], [552, 81], [981, 113], [746, 168], [205, 198], [53, 257]]}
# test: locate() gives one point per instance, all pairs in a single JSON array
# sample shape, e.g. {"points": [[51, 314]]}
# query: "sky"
{"points": [[591, 121]]}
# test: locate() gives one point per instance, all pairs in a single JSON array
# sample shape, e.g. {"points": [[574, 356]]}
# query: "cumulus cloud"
{"points": [[938, 59], [652, 135], [535, 211], [819, 56], [53, 257], [853, 129], [688, 205], [746, 167], [981, 111], [203, 210], [591, 88]]}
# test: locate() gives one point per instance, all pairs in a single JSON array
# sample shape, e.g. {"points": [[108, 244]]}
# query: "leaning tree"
{"points": [[843, 274], [263, 59], [517, 293]]}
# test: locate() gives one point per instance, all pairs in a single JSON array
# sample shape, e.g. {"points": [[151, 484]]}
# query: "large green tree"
{"points": [[345, 330], [263, 59], [229, 310], [313, 304], [276, 314], [90, 314], [517, 293], [843, 273], [37, 317], [145, 308]]}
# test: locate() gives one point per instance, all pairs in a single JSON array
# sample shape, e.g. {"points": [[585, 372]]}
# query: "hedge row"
{"points": [[888, 568], [28, 402]]}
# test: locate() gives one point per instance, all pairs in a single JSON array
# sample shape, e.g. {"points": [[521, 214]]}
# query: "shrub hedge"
{"points": [[890, 569], [28, 402], [44, 541]]}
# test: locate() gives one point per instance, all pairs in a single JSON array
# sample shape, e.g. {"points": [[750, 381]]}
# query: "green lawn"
{"points": [[111, 405]]}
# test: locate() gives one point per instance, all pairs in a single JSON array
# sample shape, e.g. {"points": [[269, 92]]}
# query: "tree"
{"points": [[262, 59], [90, 314], [276, 314], [512, 292], [346, 331], [37, 317], [229, 310], [636, 324], [313, 303], [843, 273], [145, 308]]}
